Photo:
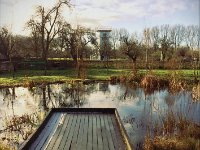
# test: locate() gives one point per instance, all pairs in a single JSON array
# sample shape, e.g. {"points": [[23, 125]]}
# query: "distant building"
{"points": [[104, 42]]}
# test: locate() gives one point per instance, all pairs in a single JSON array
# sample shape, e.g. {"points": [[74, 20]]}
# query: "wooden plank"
{"points": [[49, 132], [27, 144], [75, 134], [118, 133], [62, 132], [85, 110], [70, 136], [104, 136], [39, 138], [81, 131], [83, 144], [108, 133], [89, 142], [113, 132], [126, 139], [65, 134], [99, 134], [55, 136], [94, 132]]}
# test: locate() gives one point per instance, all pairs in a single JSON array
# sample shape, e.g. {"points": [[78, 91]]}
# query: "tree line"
{"points": [[52, 36]]}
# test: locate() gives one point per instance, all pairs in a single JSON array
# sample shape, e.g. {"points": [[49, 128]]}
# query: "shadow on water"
{"points": [[23, 109]]}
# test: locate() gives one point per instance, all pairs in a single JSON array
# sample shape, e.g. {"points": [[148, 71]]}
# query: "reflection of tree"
{"points": [[18, 128], [15, 128], [169, 100], [9, 96], [75, 94], [63, 95], [104, 87], [90, 88], [44, 100], [127, 91]]}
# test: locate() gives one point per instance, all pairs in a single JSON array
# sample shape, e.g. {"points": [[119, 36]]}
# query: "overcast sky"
{"points": [[133, 15]]}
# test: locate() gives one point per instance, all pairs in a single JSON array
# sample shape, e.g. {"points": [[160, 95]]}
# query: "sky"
{"points": [[134, 15]]}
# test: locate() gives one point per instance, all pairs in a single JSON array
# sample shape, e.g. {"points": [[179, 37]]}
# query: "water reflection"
{"points": [[139, 110]]}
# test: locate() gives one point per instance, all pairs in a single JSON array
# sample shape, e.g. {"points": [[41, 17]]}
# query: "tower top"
{"points": [[104, 29]]}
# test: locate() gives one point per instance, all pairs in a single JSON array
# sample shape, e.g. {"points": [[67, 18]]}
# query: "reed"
{"points": [[175, 133]]}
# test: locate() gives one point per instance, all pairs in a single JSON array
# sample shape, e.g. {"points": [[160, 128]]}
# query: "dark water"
{"points": [[23, 109]]}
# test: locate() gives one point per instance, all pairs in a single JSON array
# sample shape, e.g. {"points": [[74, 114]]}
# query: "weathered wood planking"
{"points": [[80, 129]]}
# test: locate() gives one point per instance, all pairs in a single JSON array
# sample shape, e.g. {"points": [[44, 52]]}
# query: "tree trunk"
{"points": [[80, 68], [161, 56], [134, 66], [44, 102], [146, 59]]}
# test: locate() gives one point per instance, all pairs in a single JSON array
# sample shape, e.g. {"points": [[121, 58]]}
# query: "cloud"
{"points": [[9, 2], [93, 13], [104, 11]]}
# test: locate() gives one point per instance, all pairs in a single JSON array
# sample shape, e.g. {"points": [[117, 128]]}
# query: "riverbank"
{"points": [[36, 77]]}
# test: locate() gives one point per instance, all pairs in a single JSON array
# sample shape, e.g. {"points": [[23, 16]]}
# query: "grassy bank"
{"points": [[24, 77]]}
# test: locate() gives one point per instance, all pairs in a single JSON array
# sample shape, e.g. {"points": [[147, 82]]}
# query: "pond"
{"points": [[23, 109]]}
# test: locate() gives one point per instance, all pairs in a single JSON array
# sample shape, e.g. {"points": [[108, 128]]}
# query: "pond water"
{"points": [[23, 109]]}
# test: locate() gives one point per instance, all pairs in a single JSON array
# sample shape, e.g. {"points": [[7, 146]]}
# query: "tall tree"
{"points": [[177, 35], [35, 41], [164, 41], [131, 46], [155, 37], [190, 34], [76, 41], [114, 38], [48, 24], [147, 42], [6, 43]]}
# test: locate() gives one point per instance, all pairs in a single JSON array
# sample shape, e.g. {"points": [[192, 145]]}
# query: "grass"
{"points": [[173, 143], [3, 147], [180, 135], [186, 74], [22, 77]]}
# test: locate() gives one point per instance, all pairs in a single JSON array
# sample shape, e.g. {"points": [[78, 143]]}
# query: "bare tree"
{"points": [[48, 24], [23, 47], [177, 35], [114, 38], [35, 41], [6, 43], [147, 41], [7, 46], [84, 36], [76, 41], [68, 40], [189, 36], [164, 41], [155, 37], [131, 46]]}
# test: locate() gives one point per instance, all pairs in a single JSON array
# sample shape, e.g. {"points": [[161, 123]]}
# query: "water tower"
{"points": [[104, 42]]}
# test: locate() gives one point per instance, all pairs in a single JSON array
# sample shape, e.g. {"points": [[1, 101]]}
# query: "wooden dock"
{"points": [[80, 129]]}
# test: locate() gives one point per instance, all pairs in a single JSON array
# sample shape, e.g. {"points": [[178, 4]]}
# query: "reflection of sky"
{"points": [[23, 103], [131, 103]]}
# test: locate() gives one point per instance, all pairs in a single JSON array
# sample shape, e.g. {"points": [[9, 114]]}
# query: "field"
{"points": [[22, 77]]}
